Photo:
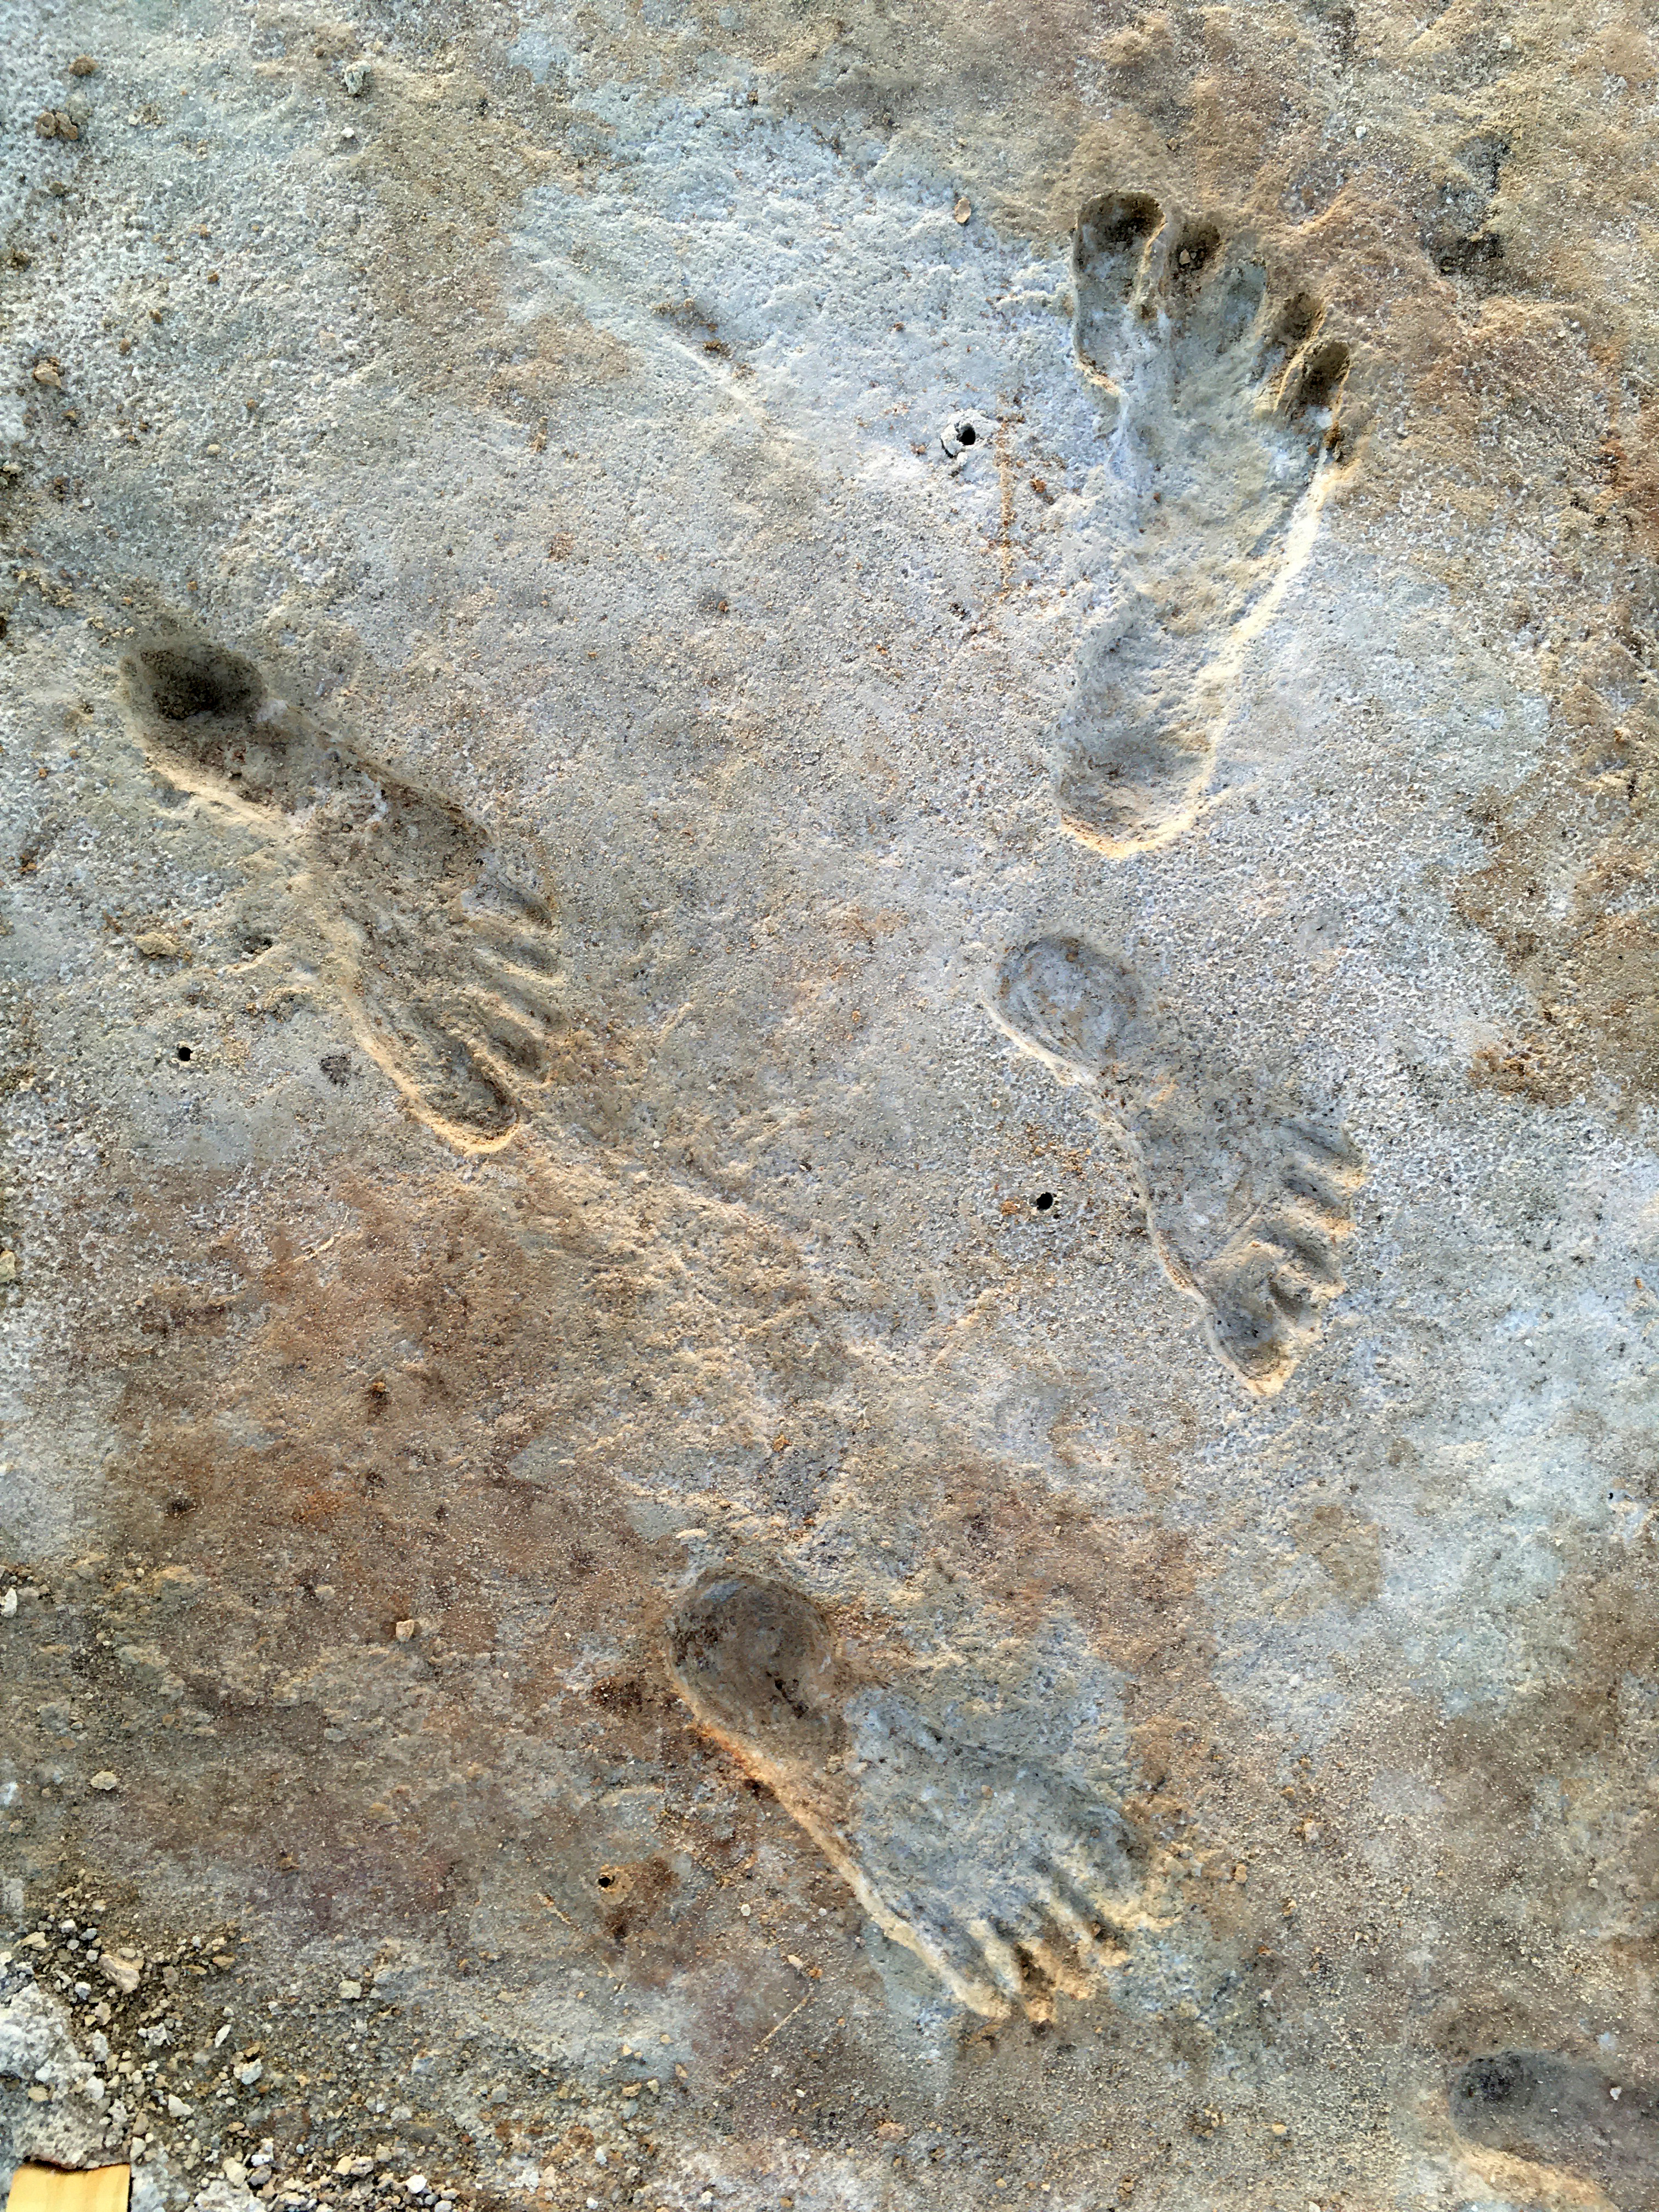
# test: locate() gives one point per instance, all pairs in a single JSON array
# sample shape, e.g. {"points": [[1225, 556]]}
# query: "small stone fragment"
{"points": [[962, 212], [248, 2075], [45, 124], [82, 65], [159, 944], [403, 1630], [124, 1972], [46, 372], [357, 77], [104, 1781], [351, 1990], [8, 1603]]}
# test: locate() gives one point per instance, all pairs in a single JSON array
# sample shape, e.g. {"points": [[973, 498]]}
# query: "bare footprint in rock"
{"points": [[1220, 455], [1562, 2113], [1009, 1882], [443, 963], [1247, 1201]]}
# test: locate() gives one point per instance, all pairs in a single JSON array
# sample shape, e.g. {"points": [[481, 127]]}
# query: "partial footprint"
{"points": [[1562, 2113], [1006, 1880], [1226, 405], [443, 965], [1247, 1202]]}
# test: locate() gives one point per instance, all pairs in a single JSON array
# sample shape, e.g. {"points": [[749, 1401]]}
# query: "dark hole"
{"points": [[605, 1881], [1043, 1201], [966, 435], [184, 1051], [177, 1506]]}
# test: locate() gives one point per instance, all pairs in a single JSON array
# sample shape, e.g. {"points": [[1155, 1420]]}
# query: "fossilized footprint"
{"points": [[1226, 405], [443, 964], [1561, 2112], [1246, 1203], [1006, 1879]]}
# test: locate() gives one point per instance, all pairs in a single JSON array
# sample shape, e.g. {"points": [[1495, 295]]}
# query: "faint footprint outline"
{"points": [[1200, 1144], [443, 962], [1225, 434], [1008, 1882]]}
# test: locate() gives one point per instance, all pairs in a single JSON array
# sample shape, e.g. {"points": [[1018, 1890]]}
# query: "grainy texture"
{"points": [[827, 1253]]}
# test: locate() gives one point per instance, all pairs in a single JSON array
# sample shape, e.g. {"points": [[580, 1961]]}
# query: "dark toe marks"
{"points": [[1112, 231], [1196, 247], [1130, 266], [1319, 377], [1290, 329]]}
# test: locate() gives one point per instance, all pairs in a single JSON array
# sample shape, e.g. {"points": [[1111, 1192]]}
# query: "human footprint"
{"points": [[441, 961], [1225, 403], [1001, 1876], [1247, 1202]]}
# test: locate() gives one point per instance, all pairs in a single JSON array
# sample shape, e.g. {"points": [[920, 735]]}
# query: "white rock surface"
{"points": [[830, 1099]]}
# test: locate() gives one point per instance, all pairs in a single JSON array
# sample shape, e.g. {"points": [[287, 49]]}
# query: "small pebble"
{"points": [[962, 212], [104, 1781]]}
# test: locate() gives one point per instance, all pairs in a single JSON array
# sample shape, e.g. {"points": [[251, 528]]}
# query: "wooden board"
{"points": [[54, 2189]]}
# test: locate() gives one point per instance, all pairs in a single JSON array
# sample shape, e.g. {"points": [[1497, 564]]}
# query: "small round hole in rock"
{"points": [[184, 1051], [966, 435], [1043, 1201], [605, 1881]]}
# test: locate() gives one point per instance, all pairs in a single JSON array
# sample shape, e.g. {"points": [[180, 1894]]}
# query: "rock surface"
{"points": [[829, 1064]]}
